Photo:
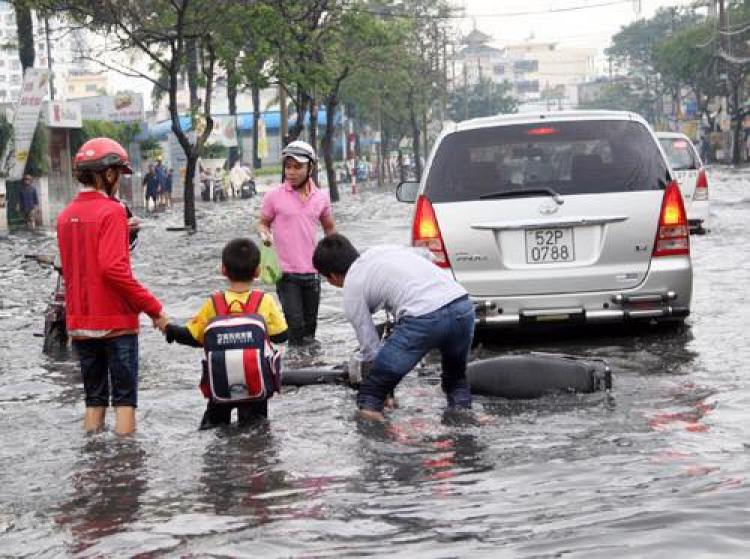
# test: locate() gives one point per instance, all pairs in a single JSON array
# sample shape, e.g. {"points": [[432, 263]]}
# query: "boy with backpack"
{"points": [[235, 328]]}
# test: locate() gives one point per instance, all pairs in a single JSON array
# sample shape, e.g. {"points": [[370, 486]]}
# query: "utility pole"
{"points": [[49, 60]]}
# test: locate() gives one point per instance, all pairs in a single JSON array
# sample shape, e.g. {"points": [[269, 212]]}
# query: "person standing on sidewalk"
{"points": [[289, 219], [102, 298], [28, 204]]}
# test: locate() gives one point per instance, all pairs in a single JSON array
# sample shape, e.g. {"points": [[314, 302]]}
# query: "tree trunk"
{"points": [[25, 31], [737, 124], [331, 102], [303, 100], [314, 134], [415, 133], [189, 203], [190, 152], [234, 152], [256, 121], [284, 116]]}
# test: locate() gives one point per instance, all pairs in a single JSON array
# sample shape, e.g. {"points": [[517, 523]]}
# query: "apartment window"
{"points": [[526, 65], [15, 79], [3, 94], [15, 64], [91, 87], [498, 70], [528, 86]]}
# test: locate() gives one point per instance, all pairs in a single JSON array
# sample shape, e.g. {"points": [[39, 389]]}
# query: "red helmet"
{"points": [[99, 153]]}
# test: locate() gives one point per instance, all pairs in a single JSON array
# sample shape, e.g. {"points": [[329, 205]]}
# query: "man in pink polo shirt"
{"points": [[289, 218]]}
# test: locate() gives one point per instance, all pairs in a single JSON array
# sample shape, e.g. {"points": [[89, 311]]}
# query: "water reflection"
{"points": [[108, 483], [239, 467]]}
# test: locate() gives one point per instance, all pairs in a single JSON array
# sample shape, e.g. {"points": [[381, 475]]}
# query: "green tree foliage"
{"points": [[484, 98], [636, 49], [686, 59], [623, 96], [37, 163], [175, 37]]}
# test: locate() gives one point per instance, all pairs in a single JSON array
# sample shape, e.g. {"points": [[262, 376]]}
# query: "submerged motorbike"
{"points": [[55, 332]]}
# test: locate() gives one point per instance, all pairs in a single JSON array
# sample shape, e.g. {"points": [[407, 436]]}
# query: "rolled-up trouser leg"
{"points": [[395, 359], [455, 352]]}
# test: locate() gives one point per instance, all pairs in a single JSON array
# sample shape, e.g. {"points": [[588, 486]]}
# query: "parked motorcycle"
{"points": [[248, 190], [55, 332]]}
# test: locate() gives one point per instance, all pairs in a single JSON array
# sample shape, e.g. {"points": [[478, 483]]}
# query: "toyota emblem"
{"points": [[548, 208]]}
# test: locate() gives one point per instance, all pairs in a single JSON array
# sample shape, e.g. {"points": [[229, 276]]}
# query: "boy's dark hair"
{"points": [[240, 258], [334, 255]]}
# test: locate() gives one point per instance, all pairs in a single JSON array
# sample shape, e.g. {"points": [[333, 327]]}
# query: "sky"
{"points": [[511, 21]]}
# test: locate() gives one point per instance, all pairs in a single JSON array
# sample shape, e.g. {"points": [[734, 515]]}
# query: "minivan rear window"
{"points": [[680, 153], [577, 157]]}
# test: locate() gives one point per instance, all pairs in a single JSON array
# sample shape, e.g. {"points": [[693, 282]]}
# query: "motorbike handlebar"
{"points": [[43, 260]]}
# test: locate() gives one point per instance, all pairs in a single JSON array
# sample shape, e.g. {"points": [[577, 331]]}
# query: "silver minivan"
{"points": [[556, 217]]}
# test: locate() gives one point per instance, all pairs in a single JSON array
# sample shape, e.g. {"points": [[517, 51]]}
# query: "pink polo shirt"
{"points": [[295, 224]]}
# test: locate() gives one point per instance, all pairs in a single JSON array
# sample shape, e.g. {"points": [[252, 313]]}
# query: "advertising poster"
{"points": [[35, 85]]}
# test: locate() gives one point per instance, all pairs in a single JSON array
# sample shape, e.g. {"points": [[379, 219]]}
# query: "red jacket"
{"points": [[100, 290]]}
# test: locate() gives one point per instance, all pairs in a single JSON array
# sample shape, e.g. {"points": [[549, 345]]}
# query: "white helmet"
{"points": [[300, 151]]}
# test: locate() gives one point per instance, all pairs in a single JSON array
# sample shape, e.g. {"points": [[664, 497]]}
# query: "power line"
{"points": [[552, 10], [386, 13]]}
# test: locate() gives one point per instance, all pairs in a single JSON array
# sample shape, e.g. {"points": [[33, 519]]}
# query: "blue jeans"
{"points": [[449, 329], [109, 365]]}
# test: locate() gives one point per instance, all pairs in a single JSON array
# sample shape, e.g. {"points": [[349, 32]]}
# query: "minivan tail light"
{"points": [[701, 187], [672, 236], [426, 232]]}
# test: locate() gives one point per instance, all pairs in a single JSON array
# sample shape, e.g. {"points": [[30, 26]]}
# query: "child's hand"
{"points": [[161, 322]]}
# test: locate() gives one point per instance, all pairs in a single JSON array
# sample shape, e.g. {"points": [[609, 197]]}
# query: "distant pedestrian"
{"points": [[166, 193], [237, 177], [153, 186], [161, 172], [289, 219], [28, 203], [102, 298]]}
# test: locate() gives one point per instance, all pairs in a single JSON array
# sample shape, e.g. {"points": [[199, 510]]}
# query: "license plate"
{"points": [[550, 245]]}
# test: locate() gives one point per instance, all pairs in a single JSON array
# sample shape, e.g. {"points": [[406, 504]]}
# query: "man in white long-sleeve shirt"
{"points": [[431, 311]]}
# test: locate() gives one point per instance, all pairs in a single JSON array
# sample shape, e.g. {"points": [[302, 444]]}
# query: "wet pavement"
{"points": [[658, 467]]}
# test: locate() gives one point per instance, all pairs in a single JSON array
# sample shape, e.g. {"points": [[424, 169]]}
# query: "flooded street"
{"points": [[658, 467]]}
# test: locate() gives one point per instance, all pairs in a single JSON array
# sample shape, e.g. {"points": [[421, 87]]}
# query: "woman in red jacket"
{"points": [[102, 298]]}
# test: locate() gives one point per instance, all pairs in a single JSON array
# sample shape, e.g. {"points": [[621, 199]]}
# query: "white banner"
{"points": [[34, 89], [224, 132], [123, 107], [63, 114]]}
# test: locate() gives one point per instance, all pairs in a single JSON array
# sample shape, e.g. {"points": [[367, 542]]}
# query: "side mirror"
{"points": [[406, 191]]}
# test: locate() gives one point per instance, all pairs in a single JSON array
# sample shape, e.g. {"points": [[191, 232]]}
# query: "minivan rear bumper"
{"points": [[665, 294]]}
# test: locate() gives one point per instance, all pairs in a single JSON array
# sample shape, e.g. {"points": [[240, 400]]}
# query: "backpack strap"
{"points": [[251, 307], [220, 303], [253, 302]]}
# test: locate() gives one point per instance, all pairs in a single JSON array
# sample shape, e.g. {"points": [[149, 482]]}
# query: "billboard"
{"points": [[35, 85], [123, 107]]}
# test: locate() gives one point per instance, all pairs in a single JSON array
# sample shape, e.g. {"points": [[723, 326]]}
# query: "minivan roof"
{"points": [[553, 116]]}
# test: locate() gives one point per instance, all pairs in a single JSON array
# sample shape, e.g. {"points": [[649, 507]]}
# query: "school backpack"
{"points": [[239, 364]]}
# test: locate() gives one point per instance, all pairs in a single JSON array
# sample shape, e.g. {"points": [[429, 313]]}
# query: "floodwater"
{"points": [[658, 467]]}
